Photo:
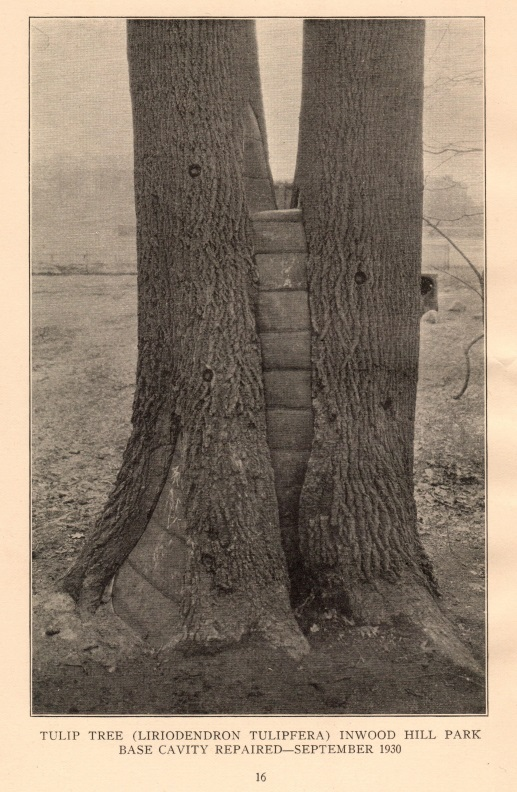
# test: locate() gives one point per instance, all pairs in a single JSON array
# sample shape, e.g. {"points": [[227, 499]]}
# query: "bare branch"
{"points": [[455, 219], [442, 189], [439, 43], [475, 270], [441, 164], [467, 358], [468, 76], [455, 150], [465, 283], [474, 77]]}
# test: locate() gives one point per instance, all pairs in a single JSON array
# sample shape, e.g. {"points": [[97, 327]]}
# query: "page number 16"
{"points": [[260, 777]]}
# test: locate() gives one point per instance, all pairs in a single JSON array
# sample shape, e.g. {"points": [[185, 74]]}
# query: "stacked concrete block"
{"points": [[284, 329], [147, 592], [258, 185]]}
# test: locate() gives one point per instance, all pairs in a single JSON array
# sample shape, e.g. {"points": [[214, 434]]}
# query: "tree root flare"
{"points": [[412, 604], [218, 628]]}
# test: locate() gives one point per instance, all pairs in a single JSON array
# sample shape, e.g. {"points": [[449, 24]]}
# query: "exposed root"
{"points": [[284, 634]]}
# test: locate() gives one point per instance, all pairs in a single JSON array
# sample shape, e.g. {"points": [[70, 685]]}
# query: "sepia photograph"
{"points": [[258, 366]]}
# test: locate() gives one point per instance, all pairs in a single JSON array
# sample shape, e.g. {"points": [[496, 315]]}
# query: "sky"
{"points": [[80, 105]]}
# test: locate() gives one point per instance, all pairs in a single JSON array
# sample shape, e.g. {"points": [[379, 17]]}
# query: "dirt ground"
{"points": [[84, 355]]}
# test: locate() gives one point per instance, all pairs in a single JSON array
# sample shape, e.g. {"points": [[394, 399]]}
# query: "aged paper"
{"points": [[451, 752]]}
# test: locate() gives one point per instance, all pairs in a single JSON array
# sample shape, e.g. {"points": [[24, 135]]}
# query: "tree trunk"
{"points": [[359, 179], [199, 378], [258, 179]]}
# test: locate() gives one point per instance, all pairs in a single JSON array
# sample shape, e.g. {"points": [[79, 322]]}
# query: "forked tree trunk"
{"points": [[359, 180], [199, 366]]}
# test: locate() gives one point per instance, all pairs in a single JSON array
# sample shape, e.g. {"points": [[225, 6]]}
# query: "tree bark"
{"points": [[199, 372], [359, 177], [360, 186], [258, 179]]}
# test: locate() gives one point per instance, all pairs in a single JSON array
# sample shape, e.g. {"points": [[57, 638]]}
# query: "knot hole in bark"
{"points": [[360, 277], [387, 406], [208, 562], [208, 375], [194, 170], [426, 285]]}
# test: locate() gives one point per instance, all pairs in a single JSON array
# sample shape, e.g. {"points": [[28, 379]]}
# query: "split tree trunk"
{"points": [[199, 366], [258, 179], [359, 179]]}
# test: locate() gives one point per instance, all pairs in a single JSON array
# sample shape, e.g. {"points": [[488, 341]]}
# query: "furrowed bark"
{"points": [[360, 181], [360, 184], [199, 373], [258, 179]]}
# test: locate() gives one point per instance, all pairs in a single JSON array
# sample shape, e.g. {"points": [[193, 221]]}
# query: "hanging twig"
{"points": [[470, 286], [447, 149], [478, 274], [467, 358]]}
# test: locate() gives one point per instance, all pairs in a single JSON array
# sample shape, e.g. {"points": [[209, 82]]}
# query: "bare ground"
{"points": [[84, 355]]}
